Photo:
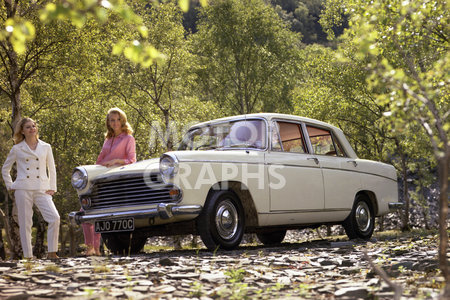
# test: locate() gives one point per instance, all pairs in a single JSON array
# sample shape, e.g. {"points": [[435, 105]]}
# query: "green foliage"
{"points": [[303, 17], [246, 56], [52, 268], [196, 290], [334, 90], [235, 275], [238, 289], [101, 269], [405, 45], [18, 30]]}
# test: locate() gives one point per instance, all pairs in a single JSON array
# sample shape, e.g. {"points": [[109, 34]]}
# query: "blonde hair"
{"points": [[18, 135], [126, 127]]}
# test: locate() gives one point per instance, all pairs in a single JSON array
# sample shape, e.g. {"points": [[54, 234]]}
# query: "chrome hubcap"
{"points": [[226, 220], [363, 217]]}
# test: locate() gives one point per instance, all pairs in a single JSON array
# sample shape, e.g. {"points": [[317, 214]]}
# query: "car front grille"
{"points": [[129, 190]]}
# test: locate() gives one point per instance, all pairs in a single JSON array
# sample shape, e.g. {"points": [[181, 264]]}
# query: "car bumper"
{"points": [[395, 205], [164, 211]]}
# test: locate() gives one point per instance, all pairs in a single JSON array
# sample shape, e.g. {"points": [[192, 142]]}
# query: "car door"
{"points": [[340, 173], [295, 177]]}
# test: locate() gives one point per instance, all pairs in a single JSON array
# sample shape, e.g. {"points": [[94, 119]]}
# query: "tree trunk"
{"points": [[443, 214], [5, 225], [169, 141], [16, 103], [63, 239], [176, 240], [328, 230], [73, 247], [16, 107], [14, 234], [194, 241], [2, 246], [381, 223], [425, 207], [405, 226], [6, 222]]}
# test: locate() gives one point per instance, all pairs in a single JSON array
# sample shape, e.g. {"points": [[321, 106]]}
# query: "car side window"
{"points": [[323, 143], [291, 136]]}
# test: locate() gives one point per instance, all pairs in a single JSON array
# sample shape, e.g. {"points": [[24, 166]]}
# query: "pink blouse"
{"points": [[122, 146]]}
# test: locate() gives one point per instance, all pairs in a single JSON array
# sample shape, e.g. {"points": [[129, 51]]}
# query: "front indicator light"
{"points": [[175, 193], [86, 203]]}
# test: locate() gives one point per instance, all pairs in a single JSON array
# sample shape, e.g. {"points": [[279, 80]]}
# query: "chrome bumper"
{"points": [[395, 205], [164, 211]]}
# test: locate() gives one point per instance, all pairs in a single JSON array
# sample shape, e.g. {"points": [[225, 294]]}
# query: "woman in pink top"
{"points": [[118, 149]]}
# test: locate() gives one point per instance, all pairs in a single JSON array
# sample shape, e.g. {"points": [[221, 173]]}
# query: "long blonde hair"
{"points": [[18, 135], [126, 127]]}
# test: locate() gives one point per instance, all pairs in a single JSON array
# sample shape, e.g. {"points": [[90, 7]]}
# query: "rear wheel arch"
{"points": [[372, 198]]}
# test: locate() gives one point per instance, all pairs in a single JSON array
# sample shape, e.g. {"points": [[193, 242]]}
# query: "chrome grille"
{"points": [[129, 190]]}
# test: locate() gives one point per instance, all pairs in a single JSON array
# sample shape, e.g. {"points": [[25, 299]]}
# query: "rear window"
{"points": [[323, 143]]}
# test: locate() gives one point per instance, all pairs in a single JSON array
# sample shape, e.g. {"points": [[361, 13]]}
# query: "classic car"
{"points": [[258, 173]]}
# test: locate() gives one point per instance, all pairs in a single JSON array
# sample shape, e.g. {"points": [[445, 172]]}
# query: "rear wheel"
{"points": [[361, 221], [271, 238], [124, 243], [221, 222]]}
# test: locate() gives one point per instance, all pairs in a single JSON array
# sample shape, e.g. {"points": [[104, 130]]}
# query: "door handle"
{"points": [[314, 159], [353, 162]]}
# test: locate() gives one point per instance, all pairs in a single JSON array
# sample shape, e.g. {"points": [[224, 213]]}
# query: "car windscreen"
{"points": [[227, 135]]}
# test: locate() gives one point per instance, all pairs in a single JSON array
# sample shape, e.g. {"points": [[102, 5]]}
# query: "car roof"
{"points": [[268, 116]]}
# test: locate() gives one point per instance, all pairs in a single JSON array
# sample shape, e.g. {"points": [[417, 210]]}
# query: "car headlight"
{"points": [[168, 166], [79, 178]]}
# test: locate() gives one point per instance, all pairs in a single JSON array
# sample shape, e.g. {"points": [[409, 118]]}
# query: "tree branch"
{"points": [[398, 289]]}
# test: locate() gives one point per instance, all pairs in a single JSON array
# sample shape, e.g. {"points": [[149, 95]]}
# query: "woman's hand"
{"points": [[114, 162], [50, 192]]}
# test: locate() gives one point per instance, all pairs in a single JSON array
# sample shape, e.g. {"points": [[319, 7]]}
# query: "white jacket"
{"points": [[32, 167]]}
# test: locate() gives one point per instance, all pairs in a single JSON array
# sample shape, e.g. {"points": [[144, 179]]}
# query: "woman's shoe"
{"points": [[52, 256], [90, 251]]}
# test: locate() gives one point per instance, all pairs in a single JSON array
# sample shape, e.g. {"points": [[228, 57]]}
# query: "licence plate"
{"points": [[117, 225]]}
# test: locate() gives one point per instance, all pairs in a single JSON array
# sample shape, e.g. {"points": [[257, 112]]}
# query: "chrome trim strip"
{"points": [[338, 169], [164, 211], [223, 161], [304, 211], [395, 205], [359, 172]]}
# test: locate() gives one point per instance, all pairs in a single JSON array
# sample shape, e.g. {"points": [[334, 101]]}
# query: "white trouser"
{"points": [[44, 202]]}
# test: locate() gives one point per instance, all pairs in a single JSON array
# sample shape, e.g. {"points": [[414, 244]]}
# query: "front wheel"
{"points": [[222, 221], [124, 243], [361, 221]]}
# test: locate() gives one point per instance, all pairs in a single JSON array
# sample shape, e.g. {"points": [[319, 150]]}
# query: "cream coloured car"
{"points": [[261, 173]]}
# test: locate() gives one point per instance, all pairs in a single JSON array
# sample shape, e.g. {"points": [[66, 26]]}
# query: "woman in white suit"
{"points": [[33, 185]]}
